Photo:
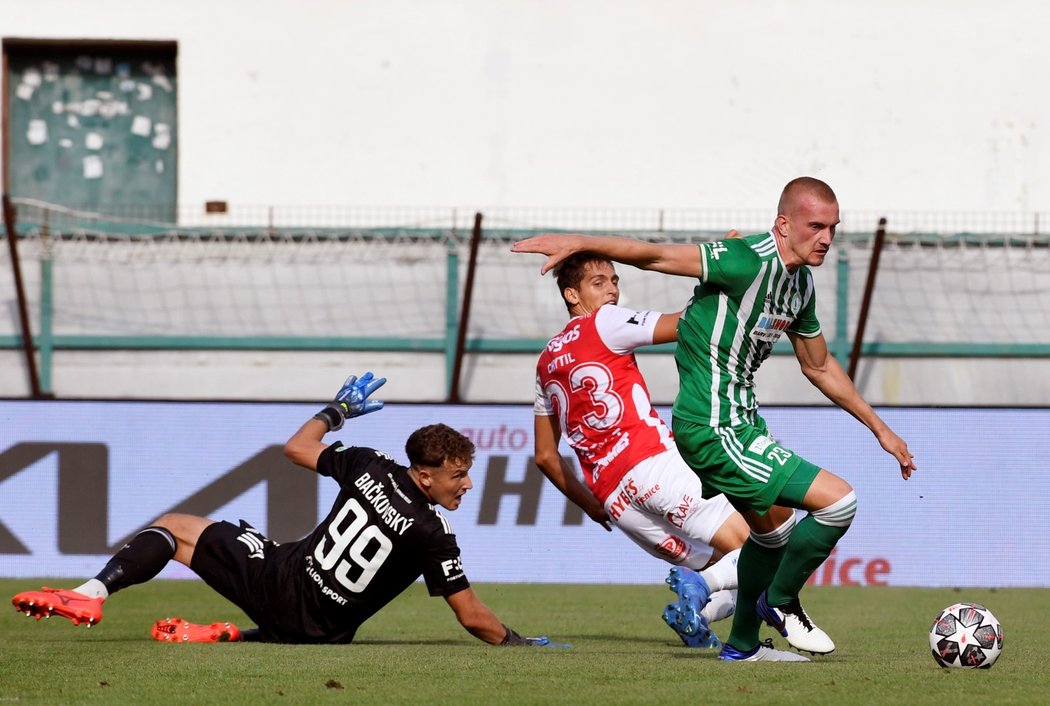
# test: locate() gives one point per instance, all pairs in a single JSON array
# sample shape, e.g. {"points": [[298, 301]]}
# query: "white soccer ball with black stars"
{"points": [[966, 636]]}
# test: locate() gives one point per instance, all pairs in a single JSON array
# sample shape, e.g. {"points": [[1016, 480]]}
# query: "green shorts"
{"points": [[743, 461]]}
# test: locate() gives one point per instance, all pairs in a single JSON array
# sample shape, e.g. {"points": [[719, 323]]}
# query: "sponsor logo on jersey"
{"points": [[677, 516], [715, 250], [770, 327], [453, 568], [759, 445], [623, 500], [673, 548], [317, 578], [618, 448], [563, 339], [649, 493]]}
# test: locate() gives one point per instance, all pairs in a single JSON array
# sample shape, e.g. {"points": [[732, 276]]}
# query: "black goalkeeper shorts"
{"points": [[241, 565]]}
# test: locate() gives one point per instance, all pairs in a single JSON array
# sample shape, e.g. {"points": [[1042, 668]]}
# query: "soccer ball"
{"points": [[966, 635]]}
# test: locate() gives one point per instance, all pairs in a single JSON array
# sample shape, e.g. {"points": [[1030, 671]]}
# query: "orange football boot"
{"points": [[56, 601], [179, 630]]}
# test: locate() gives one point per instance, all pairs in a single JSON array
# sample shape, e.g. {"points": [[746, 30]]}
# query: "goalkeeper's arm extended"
{"points": [[351, 401], [306, 445]]}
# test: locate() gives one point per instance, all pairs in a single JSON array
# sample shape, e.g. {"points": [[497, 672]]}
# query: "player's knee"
{"points": [[169, 521], [839, 513], [185, 529], [776, 538]]}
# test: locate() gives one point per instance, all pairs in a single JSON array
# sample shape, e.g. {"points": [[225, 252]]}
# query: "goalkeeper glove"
{"points": [[351, 401], [513, 639]]}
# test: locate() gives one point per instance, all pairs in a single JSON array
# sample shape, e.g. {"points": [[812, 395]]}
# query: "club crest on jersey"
{"points": [[769, 327]]}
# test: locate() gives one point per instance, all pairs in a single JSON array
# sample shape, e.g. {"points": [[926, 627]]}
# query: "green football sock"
{"points": [[755, 569], [810, 544]]}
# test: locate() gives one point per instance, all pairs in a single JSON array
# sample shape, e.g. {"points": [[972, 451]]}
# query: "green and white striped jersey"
{"points": [[745, 301]]}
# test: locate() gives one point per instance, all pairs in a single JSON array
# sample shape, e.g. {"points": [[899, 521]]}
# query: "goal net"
{"points": [[113, 277], [396, 279], [973, 290]]}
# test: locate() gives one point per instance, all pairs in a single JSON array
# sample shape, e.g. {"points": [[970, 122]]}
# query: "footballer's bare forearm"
{"points": [[306, 445], [476, 617], [838, 388], [565, 480], [669, 258], [836, 385]]}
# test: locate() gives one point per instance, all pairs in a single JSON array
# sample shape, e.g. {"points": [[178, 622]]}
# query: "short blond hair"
{"points": [[803, 186]]}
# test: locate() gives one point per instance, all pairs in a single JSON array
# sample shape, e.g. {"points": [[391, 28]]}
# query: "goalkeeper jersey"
{"points": [[379, 537], [745, 301]]}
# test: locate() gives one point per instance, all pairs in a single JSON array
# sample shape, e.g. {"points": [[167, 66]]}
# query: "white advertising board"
{"points": [[77, 477]]}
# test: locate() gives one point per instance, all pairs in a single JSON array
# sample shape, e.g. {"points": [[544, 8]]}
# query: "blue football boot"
{"points": [[703, 638], [693, 594]]}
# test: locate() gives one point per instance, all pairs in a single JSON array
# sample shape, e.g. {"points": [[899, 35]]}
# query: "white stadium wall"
{"points": [[924, 105], [78, 477], [593, 103]]}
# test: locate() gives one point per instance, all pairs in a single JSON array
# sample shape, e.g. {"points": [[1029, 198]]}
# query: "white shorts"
{"points": [[659, 504]]}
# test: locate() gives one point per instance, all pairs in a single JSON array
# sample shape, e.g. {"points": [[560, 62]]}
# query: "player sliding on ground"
{"points": [[382, 533], [751, 290]]}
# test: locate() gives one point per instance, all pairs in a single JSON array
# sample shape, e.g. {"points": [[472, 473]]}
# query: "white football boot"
{"points": [[763, 653], [792, 621]]}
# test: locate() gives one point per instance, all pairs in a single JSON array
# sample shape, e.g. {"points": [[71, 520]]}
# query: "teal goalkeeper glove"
{"points": [[352, 401]]}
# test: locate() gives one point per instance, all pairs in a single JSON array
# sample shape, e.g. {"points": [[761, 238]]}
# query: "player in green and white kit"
{"points": [[752, 290]]}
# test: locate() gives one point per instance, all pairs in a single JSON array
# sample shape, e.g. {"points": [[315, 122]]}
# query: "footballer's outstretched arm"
{"points": [[483, 624], [552, 465], [669, 258], [305, 446], [476, 617]]}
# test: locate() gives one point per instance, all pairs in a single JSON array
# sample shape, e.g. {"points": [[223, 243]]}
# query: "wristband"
{"points": [[331, 416], [512, 639]]}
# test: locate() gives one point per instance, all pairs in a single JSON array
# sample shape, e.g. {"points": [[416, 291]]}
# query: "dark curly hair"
{"points": [[569, 272], [432, 445]]}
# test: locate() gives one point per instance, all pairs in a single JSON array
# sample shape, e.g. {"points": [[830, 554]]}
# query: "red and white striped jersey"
{"points": [[588, 376]]}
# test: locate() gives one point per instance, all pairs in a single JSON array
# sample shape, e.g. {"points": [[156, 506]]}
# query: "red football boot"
{"points": [[56, 601], [179, 630]]}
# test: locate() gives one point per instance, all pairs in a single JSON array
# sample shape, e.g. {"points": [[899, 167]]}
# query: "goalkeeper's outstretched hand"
{"points": [[544, 641], [352, 400], [353, 395], [513, 639]]}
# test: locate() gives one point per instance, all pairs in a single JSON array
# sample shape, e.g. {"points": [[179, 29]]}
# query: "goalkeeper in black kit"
{"points": [[383, 532]]}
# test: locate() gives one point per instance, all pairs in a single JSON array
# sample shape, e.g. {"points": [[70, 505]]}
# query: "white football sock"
{"points": [[722, 574], [93, 588], [721, 606]]}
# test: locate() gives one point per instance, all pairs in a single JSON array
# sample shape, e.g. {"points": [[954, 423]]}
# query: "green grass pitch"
{"points": [[415, 652]]}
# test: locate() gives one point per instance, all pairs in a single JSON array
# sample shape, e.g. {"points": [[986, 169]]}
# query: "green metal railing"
{"points": [[46, 342]]}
